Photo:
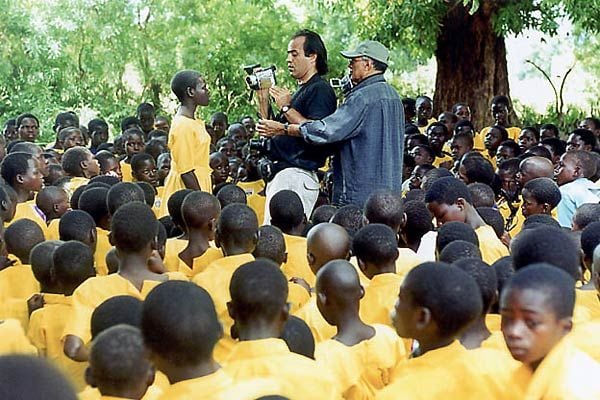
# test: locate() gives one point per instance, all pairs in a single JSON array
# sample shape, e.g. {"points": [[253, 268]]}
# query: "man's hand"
{"points": [[282, 97], [269, 128]]}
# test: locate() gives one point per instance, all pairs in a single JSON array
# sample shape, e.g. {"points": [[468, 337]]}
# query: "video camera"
{"points": [[344, 83], [260, 78]]}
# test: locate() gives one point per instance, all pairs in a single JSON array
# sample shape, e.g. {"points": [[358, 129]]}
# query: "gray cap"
{"points": [[371, 49]]}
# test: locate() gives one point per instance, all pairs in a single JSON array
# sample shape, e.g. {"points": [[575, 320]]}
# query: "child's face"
{"points": [[446, 213], [74, 139], [500, 114], [531, 206], [32, 179], [463, 112], [134, 145], [546, 133], [249, 125], [458, 148], [147, 121], [404, 315], [575, 143], [29, 129], [504, 153], [228, 149], [416, 178], [93, 167], [530, 327], [566, 170], [62, 205], [527, 139], [112, 167], [493, 138], [164, 166], [219, 128], [421, 156], [99, 136], [147, 173], [509, 182], [436, 137], [220, 166], [424, 109]]}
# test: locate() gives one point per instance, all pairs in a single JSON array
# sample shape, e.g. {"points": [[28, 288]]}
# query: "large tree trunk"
{"points": [[471, 62]]}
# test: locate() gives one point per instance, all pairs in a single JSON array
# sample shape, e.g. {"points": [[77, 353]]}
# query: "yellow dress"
{"points": [[257, 203], [28, 210], [491, 247], [52, 231], [513, 133], [297, 264], [75, 183], [251, 188], [190, 148], [103, 246], [126, 171], [14, 340], [173, 247]]}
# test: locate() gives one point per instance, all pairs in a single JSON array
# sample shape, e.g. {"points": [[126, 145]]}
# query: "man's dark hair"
{"points": [[455, 230], [297, 335], [18, 371], [586, 214], [384, 207], [418, 220], [544, 190], [93, 202], [448, 190], [21, 117], [73, 263], [231, 194], [286, 210], [123, 193], [590, 238], [550, 127], [118, 310], [76, 225], [375, 244], [133, 226], [270, 244], [183, 80], [313, 44], [323, 213], [458, 250], [478, 169], [537, 220], [493, 218], [484, 276], [482, 195], [586, 136], [349, 217]]}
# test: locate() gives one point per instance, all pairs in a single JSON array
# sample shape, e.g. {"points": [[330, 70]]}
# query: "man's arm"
{"points": [[283, 98], [190, 181]]}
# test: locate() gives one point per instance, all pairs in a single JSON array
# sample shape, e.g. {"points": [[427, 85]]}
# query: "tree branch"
{"points": [[545, 74]]}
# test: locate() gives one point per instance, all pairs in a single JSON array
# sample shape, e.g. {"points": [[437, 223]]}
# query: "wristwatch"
{"points": [[285, 109], [285, 128]]}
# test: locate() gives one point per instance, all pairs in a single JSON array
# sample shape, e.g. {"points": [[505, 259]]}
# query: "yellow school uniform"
{"points": [[13, 339], [45, 330], [493, 321], [103, 246], [52, 230], [221, 386], [310, 314], [215, 280], [90, 393], [407, 260], [75, 183], [190, 148], [423, 129], [298, 296], [565, 373], [173, 247], [257, 203], [94, 291], [126, 171], [461, 374], [586, 337], [253, 187], [363, 369], [201, 262], [30, 211], [490, 246], [588, 299], [513, 133], [379, 299], [514, 226], [17, 285], [297, 264], [440, 160], [271, 358]]}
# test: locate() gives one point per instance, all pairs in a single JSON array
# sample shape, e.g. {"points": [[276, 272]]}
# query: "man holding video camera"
{"points": [[368, 128], [295, 161]]}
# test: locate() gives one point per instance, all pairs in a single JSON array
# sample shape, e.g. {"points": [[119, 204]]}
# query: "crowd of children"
{"points": [[480, 280]]}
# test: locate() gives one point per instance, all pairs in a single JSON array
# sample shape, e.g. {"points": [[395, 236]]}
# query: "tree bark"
{"points": [[471, 62]]}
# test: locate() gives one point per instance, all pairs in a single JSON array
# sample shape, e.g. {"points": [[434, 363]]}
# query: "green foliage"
{"points": [[566, 122], [110, 55]]}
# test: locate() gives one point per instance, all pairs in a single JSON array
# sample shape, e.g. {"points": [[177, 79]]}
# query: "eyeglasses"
{"points": [[354, 60]]}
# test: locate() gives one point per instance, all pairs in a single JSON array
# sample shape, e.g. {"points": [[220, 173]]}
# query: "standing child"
{"points": [[188, 139]]}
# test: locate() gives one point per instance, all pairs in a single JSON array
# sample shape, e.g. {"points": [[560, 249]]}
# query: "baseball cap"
{"points": [[371, 49]]}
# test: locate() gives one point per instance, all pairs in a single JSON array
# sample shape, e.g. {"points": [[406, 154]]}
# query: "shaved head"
{"points": [[326, 242], [535, 167], [338, 290]]}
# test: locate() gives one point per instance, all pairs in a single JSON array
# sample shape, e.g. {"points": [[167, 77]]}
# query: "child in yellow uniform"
{"points": [[94, 202], [143, 169], [424, 109], [258, 305], [54, 203], [78, 225], [500, 109], [180, 329], [200, 211], [236, 235], [79, 163], [478, 334], [17, 283], [271, 245], [14, 340], [436, 303], [438, 135], [73, 263], [188, 140], [326, 242], [175, 245], [287, 213], [587, 296], [375, 249], [537, 310], [448, 199], [376, 348], [20, 171], [119, 367], [133, 231], [133, 140]]}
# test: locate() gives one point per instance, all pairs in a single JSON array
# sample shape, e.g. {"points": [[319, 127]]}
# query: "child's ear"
{"points": [[460, 203], [285, 257], [361, 265], [55, 207], [566, 324], [154, 243], [151, 374], [546, 208], [4, 205], [89, 377], [577, 171], [230, 311], [403, 222], [19, 178], [423, 318], [310, 258], [93, 236], [285, 312], [110, 239], [362, 291]]}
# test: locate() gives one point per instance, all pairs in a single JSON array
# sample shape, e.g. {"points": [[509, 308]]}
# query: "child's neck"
{"points": [[23, 195], [422, 122], [413, 244], [473, 218], [234, 250], [475, 334], [197, 245], [351, 330], [134, 268], [429, 344], [187, 109], [183, 373], [389, 268], [51, 289], [257, 330], [295, 231]]}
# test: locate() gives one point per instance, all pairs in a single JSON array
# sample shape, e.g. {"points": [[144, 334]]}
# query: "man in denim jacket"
{"points": [[368, 130]]}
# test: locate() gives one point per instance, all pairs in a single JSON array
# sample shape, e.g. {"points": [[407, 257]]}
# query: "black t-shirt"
{"points": [[314, 100]]}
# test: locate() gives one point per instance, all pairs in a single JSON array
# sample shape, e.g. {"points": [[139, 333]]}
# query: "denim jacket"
{"points": [[369, 131]]}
